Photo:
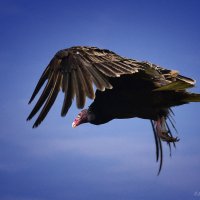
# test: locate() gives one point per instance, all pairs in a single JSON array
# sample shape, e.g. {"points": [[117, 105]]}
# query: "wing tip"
{"points": [[110, 87], [31, 99], [63, 114], [36, 124]]}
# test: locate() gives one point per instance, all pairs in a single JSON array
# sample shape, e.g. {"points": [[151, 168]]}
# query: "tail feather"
{"points": [[192, 97]]}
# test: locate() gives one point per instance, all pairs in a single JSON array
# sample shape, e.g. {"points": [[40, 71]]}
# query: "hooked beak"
{"points": [[77, 121], [80, 119], [74, 125]]}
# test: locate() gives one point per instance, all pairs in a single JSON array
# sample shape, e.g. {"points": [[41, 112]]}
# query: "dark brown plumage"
{"points": [[126, 88]]}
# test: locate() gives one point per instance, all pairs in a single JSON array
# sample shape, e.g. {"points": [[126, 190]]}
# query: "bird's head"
{"points": [[81, 118]]}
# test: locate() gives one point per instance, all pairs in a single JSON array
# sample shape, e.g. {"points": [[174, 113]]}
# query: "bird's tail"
{"points": [[192, 97]]}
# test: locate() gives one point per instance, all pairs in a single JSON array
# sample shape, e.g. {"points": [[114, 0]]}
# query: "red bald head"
{"points": [[81, 118]]}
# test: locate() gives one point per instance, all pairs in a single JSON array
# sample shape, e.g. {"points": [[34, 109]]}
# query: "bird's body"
{"points": [[127, 99], [126, 88], [131, 97]]}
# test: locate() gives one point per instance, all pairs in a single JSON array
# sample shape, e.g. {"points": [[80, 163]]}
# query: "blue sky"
{"points": [[113, 161]]}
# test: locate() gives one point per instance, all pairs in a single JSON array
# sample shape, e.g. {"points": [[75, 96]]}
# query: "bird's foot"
{"points": [[164, 136], [162, 131]]}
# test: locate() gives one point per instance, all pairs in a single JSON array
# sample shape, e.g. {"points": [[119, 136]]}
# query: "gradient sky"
{"points": [[115, 161]]}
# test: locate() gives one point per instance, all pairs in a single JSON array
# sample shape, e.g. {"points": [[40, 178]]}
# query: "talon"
{"points": [[162, 131], [167, 138]]}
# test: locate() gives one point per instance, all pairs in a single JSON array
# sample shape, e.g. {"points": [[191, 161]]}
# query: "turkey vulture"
{"points": [[125, 88]]}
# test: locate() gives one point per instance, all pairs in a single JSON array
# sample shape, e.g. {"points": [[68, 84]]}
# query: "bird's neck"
{"points": [[97, 116]]}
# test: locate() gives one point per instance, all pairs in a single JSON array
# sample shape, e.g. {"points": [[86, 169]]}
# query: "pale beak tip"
{"points": [[73, 125]]}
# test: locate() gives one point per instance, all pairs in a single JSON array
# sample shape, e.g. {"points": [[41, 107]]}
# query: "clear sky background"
{"points": [[115, 161]]}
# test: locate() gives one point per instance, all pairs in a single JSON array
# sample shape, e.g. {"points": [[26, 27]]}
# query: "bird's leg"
{"points": [[163, 132]]}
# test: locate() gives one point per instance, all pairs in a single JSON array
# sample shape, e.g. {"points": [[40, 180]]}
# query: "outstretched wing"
{"points": [[75, 70]]}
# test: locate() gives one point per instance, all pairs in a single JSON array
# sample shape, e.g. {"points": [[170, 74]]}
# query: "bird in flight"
{"points": [[125, 88]]}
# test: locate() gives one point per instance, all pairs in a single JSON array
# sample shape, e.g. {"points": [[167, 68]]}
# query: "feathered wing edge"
{"points": [[49, 93]]}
